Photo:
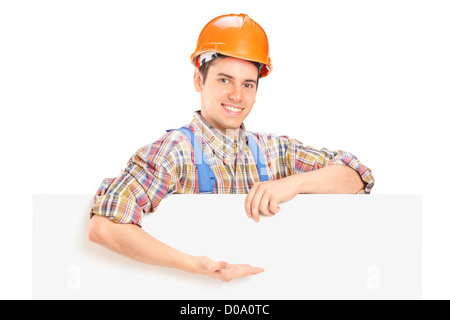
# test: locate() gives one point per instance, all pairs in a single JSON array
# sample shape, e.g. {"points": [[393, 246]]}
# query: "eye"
{"points": [[248, 85], [224, 80]]}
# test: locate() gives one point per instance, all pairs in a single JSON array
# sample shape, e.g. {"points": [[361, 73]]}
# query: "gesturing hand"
{"points": [[264, 197], [223, 270]]}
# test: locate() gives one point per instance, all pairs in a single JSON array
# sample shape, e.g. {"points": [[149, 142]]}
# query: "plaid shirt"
{"points": [[167, 166]]}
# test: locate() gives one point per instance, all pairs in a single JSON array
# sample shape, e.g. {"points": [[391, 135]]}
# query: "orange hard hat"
{"points": [[236, 36]]}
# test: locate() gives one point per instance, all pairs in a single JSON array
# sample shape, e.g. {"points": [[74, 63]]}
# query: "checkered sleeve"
{"points": [[346, 158], [304, 158], [148, 178]]}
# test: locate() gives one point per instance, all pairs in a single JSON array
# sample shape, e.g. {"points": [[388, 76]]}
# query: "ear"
{"points": [[198, 81]]}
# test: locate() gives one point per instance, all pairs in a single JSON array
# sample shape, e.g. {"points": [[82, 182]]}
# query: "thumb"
{"points": [[220, 265], [274, 209]]}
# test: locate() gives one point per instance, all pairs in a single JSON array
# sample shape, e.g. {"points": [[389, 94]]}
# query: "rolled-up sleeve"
{"points": [[348, 159], [148, 178], [117, 202], [134, 193], [307, 159]]}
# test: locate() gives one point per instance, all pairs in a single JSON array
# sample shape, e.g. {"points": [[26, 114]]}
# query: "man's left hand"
{"points": [[265, 197]]}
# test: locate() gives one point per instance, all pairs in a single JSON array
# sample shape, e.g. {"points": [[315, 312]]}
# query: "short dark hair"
{"points": [[203, 69]]}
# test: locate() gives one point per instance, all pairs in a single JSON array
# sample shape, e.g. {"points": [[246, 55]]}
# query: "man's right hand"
{"points": [[223, 270]]}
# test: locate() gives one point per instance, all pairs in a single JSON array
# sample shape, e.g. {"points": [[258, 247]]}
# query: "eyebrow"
{"points": [[231, 77]]}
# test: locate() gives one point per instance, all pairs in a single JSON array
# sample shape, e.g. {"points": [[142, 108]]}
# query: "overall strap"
{"points": [[257, 155], [206, 178]]}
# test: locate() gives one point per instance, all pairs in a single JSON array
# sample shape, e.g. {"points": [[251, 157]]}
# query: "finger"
{"points": [[249, 198], [238, 271], [264, 204], [273, 206], [256, 270], [249, 269], [255, 204]]}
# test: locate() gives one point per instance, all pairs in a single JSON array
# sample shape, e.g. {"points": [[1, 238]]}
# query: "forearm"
{"points": [[329, 179], [131, 241]]}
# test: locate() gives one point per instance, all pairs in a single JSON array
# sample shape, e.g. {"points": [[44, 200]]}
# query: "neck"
{"points": [[232, 133]]}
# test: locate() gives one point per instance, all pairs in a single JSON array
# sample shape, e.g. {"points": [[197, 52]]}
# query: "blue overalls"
{"points": [[206, 177]]}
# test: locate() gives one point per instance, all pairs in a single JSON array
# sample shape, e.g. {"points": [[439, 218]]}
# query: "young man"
{"points": [[216, 154]]}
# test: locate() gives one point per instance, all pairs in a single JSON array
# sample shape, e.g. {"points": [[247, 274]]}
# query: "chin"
{"points": [[234, 125]]}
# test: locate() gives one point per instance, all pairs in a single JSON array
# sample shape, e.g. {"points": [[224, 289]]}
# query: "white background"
{"points": [[84, 84]]}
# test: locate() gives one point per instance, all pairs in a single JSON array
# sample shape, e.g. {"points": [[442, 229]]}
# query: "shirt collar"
{"points": [[221, 145]]}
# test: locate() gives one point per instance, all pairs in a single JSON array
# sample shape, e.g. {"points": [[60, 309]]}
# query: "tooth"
{"points": [[232, 108]]}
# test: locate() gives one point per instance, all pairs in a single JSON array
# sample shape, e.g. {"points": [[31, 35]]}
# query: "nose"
{"points": [[235, 94]]}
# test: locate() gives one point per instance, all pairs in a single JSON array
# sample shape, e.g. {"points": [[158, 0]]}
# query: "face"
{"points": [[229, 92]]}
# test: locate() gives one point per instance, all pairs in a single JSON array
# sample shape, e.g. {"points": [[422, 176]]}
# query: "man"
{"points": [[232, 55]]}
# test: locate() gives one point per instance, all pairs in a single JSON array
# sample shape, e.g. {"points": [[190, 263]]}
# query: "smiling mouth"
{"points": [[232, 109]]}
